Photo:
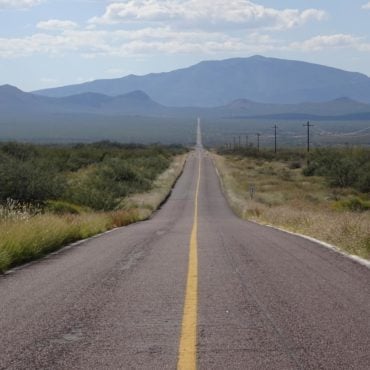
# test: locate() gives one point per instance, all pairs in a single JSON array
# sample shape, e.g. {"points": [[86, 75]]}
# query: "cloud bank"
{"points": [[154, 27], [18, 4], [206, 14]]}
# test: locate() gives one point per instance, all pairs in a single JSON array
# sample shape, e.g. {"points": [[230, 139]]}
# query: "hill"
{"points": [[15, 102]]}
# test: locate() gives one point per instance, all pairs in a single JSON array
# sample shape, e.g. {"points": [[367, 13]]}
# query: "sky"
{"points": [[47, 43]]}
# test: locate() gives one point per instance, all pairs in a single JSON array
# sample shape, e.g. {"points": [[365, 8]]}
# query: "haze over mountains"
{"points": [[16, 104], [217, 83], [253, 90]]}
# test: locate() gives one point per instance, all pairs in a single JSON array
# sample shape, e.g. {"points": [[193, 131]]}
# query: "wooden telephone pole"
{"points": [[258, 141], [308, 125], [275, 128]]}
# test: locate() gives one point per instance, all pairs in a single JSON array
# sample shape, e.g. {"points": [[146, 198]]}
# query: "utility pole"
{"points": [[258, 141], [308, 125], [246, 141], [275, 128], [240, 141], [234, 142]]}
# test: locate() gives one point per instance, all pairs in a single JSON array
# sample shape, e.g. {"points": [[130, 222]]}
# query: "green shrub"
{"points": [[294, 165], [354, 204], [29, 181], [363, 179], [95, 175], [342, 168], [60, 207]]}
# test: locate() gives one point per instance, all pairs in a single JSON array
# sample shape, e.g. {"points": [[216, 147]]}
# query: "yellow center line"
{"points": [[187, 359]]}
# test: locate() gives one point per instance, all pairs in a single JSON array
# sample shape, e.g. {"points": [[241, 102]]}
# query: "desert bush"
{"points": [[60, 207], [295, 164], [29, 181], [283, 154], [354, 204], [342, 168], [363, 179], [93, 175]]}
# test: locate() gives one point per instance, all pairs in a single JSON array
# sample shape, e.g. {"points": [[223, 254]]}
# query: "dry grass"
{"points": [[23, 241], [287, 199], [26, 236]]}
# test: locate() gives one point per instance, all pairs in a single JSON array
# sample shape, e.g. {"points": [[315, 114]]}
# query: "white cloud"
{"points": [[18, 4], [56, 24], [165, 40], [206, 14], [322, 42], [366, 6], [163, 26], [92, 43]]}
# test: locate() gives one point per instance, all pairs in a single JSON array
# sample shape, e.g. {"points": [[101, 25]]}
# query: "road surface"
{"points": [[194, 287]]}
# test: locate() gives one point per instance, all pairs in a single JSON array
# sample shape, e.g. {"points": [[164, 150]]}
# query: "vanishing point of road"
{"points": [[193, 287]]}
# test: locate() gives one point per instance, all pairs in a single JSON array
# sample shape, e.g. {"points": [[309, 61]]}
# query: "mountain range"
{"points": [[252, 92], [217, 83]]}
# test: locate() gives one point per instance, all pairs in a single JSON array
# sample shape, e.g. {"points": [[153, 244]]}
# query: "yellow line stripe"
{"points": [[188, 341]]}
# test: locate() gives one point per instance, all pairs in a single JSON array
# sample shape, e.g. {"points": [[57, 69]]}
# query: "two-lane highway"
{"points": [[193, 287]]}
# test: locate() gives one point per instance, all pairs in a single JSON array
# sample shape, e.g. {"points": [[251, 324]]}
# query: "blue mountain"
{"points": [[216, 83]]}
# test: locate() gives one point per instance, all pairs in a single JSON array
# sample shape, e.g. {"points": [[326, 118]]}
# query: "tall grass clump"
{"points": [[39, 235], [15, 210]]}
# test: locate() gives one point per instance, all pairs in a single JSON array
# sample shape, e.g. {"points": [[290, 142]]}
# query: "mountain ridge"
{"points": [[218, 82], [13, 100]]}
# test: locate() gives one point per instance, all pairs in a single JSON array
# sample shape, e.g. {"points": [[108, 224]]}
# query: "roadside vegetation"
{"points": [[54, 195], [328, 199]]}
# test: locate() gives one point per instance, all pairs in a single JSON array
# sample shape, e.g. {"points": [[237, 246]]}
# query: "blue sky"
{"points": [[45, 43]]}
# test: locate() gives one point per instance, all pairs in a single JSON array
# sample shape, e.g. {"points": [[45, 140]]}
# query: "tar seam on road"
{"points": [[187, 358]]}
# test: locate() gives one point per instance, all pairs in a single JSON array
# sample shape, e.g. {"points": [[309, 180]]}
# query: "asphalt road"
{"points": [[256, 298]]}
